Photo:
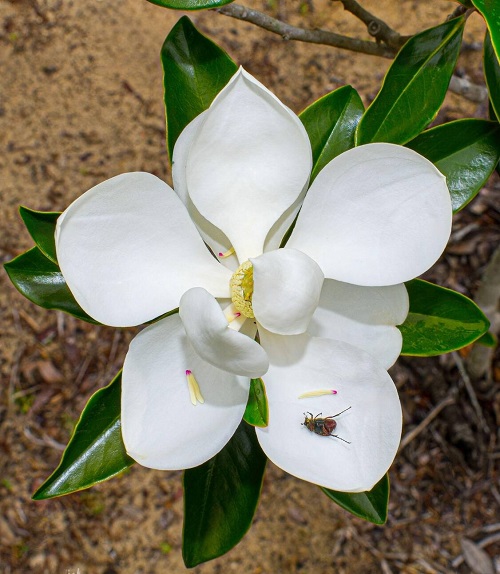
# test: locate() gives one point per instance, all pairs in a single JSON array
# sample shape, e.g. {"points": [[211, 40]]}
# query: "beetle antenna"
{"points": [[340, 413], [339, 437]]}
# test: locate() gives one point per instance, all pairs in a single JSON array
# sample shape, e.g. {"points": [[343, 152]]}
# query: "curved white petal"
{"points": [[378, 214], [372, 425], [365, 317], [287, 288], [161, 428], [277, 232], [128, 251], [208, 331], [248, 163], [212, 236]]}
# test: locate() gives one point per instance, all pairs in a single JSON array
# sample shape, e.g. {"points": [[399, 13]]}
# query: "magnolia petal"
{"points": [[378, 214], [161, 428], [128, 251], [372, 425], [287, 288], [212, 236], [248, 163], [208, 331], [365, 317], [278, 230]]}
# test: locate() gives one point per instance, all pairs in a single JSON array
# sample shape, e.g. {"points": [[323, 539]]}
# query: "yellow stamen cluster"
{"points": [[241, 285]]}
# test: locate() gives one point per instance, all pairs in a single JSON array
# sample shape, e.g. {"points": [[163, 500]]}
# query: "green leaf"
{"points": [[488, 340], [194, 71], [42, 227], [440, 320], [41, 281], [371, 505], [465, 151], [220, 498], [414, 86], [190, 4], [492, 74], [491, 112], [257, 411], [490, 9], [331, 124], [95, 452]]}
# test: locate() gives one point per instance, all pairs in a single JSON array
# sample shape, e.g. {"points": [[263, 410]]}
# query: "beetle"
{"points": [[323, 426]]}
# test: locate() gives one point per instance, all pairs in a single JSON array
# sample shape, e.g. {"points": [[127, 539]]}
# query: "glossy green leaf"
{"points": [[220, 498], [331, 124], [96, 451], [490, 9], [492, 74], [257, 410], [371, 505], [42, 227], [491, 112], [440, 320], [41, 281], [414, 86], [488, 340], [194, 71], [190, 4], [465, 151]]}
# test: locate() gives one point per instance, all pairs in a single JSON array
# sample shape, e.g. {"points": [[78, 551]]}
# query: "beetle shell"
{"points": [[323, 426]]}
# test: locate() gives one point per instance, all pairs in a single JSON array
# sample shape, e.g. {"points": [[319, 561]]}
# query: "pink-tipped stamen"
{"points": [[227, 253], [194, 389], [318, 393]]}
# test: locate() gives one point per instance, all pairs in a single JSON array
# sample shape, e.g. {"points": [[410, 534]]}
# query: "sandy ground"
{"points": [[81, 101]]}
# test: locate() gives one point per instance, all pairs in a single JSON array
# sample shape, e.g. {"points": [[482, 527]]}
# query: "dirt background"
{"points": [[81, 101]]}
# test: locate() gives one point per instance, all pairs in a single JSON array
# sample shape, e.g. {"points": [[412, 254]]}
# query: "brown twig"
{"points": [[470, 91], [448, 400], [458, 85], [470, 391], [14, 377], [459, 11], [375, 26], [289, 32], [46, 440], [481, 544], [487, 298]]}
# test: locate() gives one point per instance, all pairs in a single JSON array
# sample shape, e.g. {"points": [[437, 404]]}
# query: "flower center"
{"points": [[241, 285]]}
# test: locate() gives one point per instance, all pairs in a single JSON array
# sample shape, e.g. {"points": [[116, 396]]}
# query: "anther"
{"points": [[241, 286], [194, 389], [318, 393]]}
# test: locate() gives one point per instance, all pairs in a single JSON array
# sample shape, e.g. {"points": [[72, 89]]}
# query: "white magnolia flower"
{"points": [[326, 305]]}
